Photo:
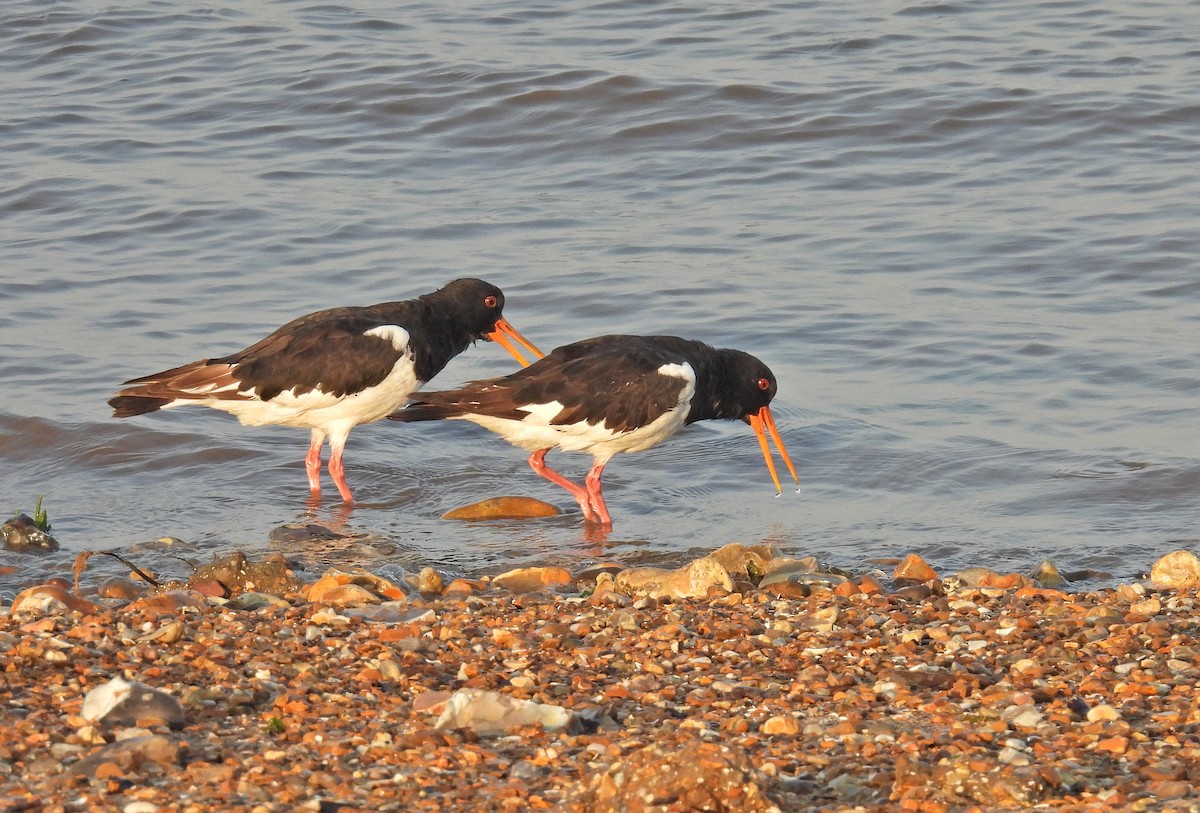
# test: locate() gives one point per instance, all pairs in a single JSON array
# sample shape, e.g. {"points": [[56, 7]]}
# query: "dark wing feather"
{"points": [[612, 380], [328, 350]]}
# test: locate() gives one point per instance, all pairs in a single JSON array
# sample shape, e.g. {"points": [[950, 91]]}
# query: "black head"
{"points": [[476, 305], [743, 385], [731, 385], [751, 386]]}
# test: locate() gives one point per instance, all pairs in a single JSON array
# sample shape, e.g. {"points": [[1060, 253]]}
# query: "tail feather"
{"points": [[197, 381], [421, 411], [126, 406]]}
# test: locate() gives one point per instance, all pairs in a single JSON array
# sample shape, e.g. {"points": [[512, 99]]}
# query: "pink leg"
{"points": [[337, 471], [312, 463], [537, 462], [599, 509]]}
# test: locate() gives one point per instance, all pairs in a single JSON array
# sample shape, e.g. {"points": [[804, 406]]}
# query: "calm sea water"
{"points": [[965, 236]]}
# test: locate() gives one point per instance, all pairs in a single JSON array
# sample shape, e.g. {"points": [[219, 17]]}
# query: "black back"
{"points": [[329, 348], [614, 380]]}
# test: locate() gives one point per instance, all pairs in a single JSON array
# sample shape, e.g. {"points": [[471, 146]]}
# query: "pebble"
{"points": [[693, 580], [532, 579], [913, 568], [952, 698], [123, 702], [1177, 569]]}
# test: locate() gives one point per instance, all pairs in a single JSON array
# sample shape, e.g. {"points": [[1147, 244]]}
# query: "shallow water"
{"points": [[964, 236]]}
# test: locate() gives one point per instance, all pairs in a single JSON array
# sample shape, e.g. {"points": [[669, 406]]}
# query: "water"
{"points": [[965, 236]]}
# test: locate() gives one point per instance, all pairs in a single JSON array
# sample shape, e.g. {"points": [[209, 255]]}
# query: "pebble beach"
{"points": [[741, 681]]}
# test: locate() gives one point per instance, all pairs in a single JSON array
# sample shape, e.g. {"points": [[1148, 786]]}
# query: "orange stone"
{"points": [[46, 597], [869, 586], [531, 579], [503, 508], [1006, 581], [913, 568]]}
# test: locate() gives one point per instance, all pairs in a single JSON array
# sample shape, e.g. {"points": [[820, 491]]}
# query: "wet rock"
{"points": [[592, 574], [504, 508], [532, 579], [693, 580], [352, 588], [299, 533], [794, 584], [128, 755], [430, 582], [748, 562], [490, 713], [48, 599], [238, 575], [22, 533], [461, 588], [123, 703], [168, 601], [693, 776], [787, 589], [971, 576], [913, 568], [788, 564], [344, 595], [121, 588], [1180, 568], [1047, 575]]}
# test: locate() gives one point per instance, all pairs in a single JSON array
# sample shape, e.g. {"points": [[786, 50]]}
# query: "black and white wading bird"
{"points": [[334, 369], [608, 395]]}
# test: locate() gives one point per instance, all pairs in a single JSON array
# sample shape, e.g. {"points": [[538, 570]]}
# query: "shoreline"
{"points": [[739, 682]]}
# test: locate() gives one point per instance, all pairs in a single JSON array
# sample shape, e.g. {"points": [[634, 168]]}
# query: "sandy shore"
{"points": [[803, 693]]}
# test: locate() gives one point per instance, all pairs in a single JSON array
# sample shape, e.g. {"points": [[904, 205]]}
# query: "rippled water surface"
{"points": [[965, 236]]}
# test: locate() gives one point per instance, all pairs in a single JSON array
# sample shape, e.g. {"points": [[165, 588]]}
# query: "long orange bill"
{"points": [[762, 423], [501, 335]]}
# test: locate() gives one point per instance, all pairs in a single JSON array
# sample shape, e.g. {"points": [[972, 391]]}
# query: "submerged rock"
{"points": [[504, 508], [298, 533], [22, 533]]}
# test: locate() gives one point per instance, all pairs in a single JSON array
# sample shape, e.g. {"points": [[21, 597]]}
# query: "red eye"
{"points": [[764, 384], [489, 301]]}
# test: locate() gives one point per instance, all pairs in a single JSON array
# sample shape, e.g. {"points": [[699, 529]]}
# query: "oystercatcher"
{"points": [[612, 394], [334, 369]]}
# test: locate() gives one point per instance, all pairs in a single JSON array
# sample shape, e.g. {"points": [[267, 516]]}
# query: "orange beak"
{"points": [[762, 423], [501, 335]]}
